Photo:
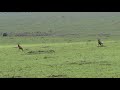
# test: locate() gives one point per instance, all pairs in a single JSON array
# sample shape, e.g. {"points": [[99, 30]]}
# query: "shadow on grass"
{"points": [[90, 62], [40, 52], [101, 46], [16, 77], [57, 76]]}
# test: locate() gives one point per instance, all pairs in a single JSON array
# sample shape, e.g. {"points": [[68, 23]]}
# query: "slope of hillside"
{"points": [[80, 24]]}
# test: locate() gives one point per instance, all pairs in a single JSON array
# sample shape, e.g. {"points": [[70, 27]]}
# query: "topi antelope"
{"points": [[100, 43], [20, 47]]}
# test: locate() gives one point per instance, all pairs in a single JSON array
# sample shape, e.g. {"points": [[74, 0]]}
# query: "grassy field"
{"points": [[69, 50], [67, 60]]}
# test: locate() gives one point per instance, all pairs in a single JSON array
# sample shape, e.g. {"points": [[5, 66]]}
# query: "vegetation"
{"points": [[60, 45]]}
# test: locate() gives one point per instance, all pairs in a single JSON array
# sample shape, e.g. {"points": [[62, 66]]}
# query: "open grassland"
{"points": [[60, 45], [61, 60]]}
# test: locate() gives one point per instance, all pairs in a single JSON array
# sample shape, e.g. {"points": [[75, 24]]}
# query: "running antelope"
{"points": [[100, 43], [20, 48]]}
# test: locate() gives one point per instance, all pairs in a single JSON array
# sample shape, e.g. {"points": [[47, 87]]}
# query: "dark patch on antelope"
{"points": [[20, 47], [100, 43]]}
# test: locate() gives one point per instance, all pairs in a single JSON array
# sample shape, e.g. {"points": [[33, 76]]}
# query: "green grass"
{"points": [[70, 52], [75, 26], [70, 60]]}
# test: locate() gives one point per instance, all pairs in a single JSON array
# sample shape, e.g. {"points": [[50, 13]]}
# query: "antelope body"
{"points": [[20, 47], [100, 43]]}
